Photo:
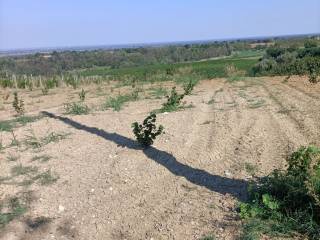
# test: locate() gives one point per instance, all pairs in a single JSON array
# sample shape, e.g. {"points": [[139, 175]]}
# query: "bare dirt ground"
{"points": [[186, 186]]}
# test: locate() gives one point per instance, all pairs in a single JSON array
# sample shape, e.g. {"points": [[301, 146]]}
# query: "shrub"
{"points": [[188, 88], [147, 132], [82, 95], [18, 104], [286, 202], [45, 91], [76, 108], [173, 101]]}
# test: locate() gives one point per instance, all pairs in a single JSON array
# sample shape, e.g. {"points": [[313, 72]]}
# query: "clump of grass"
{"points": [[116, 103], [33, 141], [8, 125], [13, 158], [210, 237], [41, 158], [147, 132], [286, 203], [23, 170], [250, 168], [76, 108], [257, 104], [10, 210], [46, 178], [159, 92], [211, 101]]}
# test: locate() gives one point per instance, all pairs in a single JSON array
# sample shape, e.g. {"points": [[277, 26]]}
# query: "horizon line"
{"points": [[144, 44]]}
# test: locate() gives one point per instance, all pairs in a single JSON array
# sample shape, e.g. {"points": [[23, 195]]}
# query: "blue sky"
{"points": [[54, 23]]}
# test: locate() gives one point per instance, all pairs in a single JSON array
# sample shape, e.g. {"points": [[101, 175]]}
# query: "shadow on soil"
{"points": [[223, 185]]}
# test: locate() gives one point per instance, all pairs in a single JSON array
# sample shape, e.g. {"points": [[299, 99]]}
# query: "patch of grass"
{"points": [[23, 170], [34, 142], [257, 104], [13, 158], [209, 237], [9, 125], [232, 79], [158, 92], [41, 158], [76, 108], [250, 168], [211, 101], [46, 178], [286, 203], [11, 210], [116, 103]]}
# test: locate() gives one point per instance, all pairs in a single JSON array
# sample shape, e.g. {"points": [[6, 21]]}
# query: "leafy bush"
{"points": [[76, 108], [286, 202], [18, 104], [147, 132]]}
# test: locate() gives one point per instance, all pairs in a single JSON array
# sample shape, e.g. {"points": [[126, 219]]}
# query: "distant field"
{"points": [[204, 69]]}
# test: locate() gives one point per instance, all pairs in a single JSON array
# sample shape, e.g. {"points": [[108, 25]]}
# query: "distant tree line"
{"points": [[59, 62]]}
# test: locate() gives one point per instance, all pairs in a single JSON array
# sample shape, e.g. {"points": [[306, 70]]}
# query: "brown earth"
{"points": [[185, 186]]}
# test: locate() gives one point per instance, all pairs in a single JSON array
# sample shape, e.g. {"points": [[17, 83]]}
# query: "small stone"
{"points": [[92, 190], [110, 188], [61, 208]]}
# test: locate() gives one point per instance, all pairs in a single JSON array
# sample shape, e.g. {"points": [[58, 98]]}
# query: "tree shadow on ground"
{"points": [[223, 185]]}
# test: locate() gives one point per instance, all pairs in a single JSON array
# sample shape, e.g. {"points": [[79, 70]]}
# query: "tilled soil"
{"points": [[186, 186]]}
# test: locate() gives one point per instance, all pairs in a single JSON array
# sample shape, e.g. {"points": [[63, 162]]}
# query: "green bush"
{"points": [[147, 132], [286, 203]]}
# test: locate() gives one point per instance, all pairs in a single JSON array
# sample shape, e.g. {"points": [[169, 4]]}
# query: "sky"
{"points": [[65, 23]]}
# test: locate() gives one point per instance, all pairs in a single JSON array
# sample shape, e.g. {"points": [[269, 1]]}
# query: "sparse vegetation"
{"points": [[82, 95], [173, 101], [76, 108], [116, 103], [147, 132], [286, 203], [9, 125], [188, 88], [11, 209]]}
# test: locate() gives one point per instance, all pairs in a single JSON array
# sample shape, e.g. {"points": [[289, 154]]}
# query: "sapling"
{"points": [[82, 95], [18, 104], [147, 132]]}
